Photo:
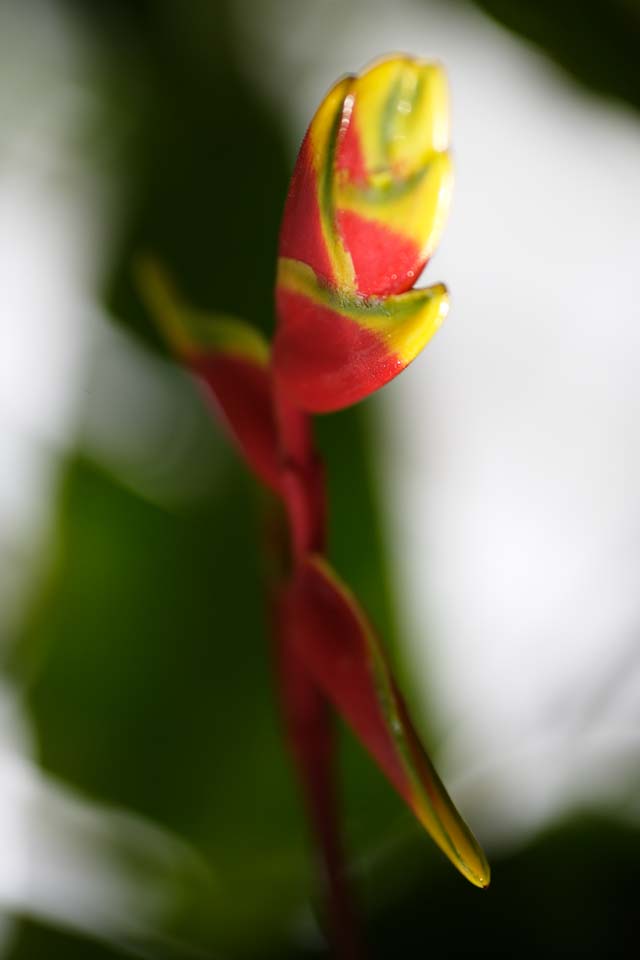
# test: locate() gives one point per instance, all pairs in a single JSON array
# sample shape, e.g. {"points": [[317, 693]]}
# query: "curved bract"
{"points": [[230, 359], [340, 649], [367, 204], [337, 346]]}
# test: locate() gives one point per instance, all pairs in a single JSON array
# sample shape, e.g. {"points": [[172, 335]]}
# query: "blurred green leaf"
{"points": [[146, 658], [150, 684], [569, 892], [596, 41]]}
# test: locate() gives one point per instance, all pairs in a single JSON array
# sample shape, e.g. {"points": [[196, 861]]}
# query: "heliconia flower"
{"points": [[231, 360], [366, 207], [365, 210], [338, 646]]}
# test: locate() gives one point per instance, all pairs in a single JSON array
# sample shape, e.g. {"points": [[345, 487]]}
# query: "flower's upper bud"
{"points": [[393, 174], [368, 199]]}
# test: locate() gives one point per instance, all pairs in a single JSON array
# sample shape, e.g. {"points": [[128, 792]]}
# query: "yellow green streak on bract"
{"points": [[323, 140], [430, 801], [404, 322], [400, 107], [401, 113], [190, 332], [416, 207]]}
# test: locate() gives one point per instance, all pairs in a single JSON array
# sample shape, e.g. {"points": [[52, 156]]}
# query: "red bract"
{"points": [[365, 208]]}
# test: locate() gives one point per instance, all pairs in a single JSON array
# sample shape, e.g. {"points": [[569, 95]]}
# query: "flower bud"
{"points": [[367, 203]]}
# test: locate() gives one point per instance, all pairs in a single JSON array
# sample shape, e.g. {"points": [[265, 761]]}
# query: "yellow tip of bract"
{"points": [[454, 837], [411, 320], [394, 170], [403, 110]]}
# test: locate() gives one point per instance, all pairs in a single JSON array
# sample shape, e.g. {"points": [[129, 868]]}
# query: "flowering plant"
{"points": [[365, 209]]}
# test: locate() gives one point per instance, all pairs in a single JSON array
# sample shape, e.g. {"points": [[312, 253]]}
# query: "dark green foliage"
{"points": [[569, 893], [596, 41]]}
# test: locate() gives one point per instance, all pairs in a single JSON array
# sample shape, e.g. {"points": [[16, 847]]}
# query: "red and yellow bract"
{"points": [[367, 203], [366, 206]]}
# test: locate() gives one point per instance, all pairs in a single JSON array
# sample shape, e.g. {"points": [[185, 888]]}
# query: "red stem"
{"points": [[307, 713], [302, 475], [311, 735]]}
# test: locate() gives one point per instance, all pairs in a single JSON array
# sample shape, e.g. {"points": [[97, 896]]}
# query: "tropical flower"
{"points": [[367, 203], [366, 206]]}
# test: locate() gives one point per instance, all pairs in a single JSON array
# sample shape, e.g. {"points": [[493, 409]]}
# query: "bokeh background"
{"points": [[485, 506]]}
